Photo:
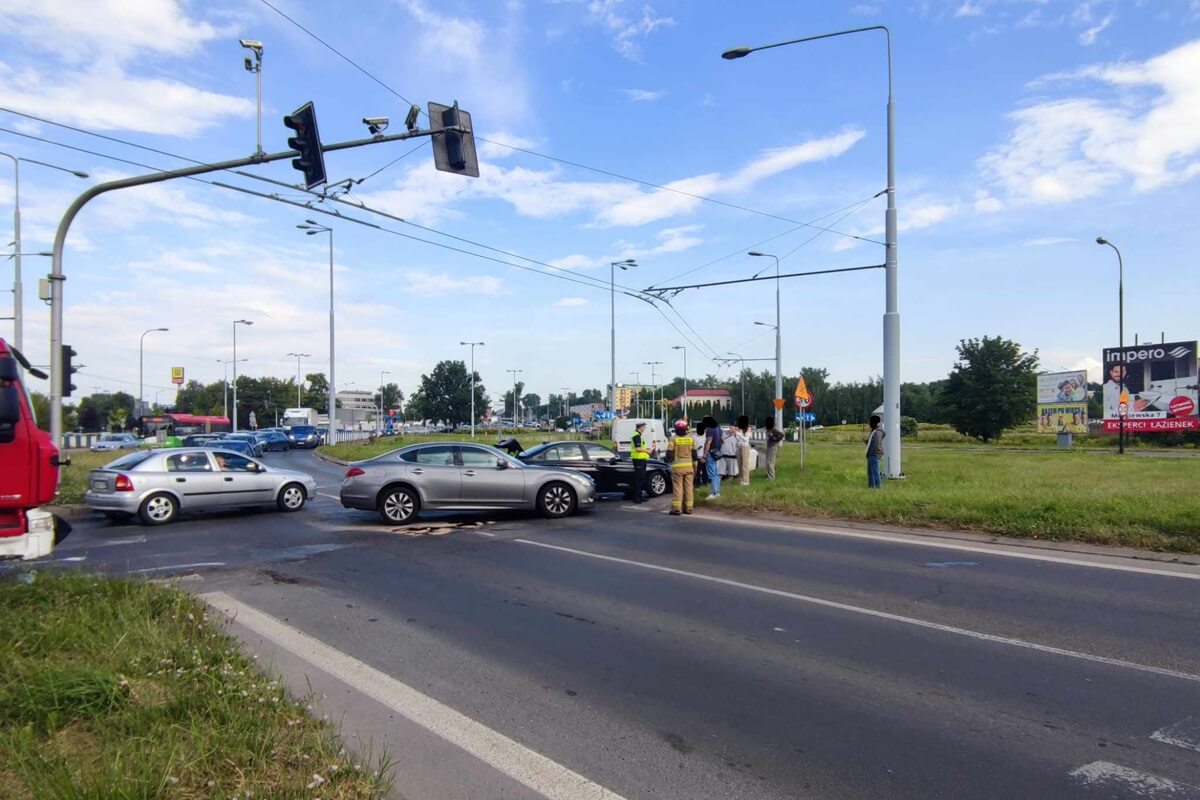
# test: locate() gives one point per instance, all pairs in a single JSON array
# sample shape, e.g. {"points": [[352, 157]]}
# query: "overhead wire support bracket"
{"points": [[678, 289]]}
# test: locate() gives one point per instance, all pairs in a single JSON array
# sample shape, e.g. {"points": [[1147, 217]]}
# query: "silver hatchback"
{"points": [[158, 485], [441, 476]]}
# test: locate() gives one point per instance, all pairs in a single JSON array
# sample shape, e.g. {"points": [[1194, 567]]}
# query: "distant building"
{"points": [[586, 410], [718, 397], [355, 407]]}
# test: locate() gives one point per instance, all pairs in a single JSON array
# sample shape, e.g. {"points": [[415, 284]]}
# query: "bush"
{"points": [[909, 427]]}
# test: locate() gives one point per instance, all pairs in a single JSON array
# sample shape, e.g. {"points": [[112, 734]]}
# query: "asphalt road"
{"points": [[703, 657]]}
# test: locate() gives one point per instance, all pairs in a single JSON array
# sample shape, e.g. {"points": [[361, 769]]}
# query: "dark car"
{"points": [[274, 440], [611, 472], [304, 436], [199, 439], [236, 445]]}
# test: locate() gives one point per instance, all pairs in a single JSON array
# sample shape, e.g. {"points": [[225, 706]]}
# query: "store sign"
{"points": [[177, 376], [1153, 387]]}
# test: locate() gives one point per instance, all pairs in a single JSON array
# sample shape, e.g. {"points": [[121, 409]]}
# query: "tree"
{"points": [[392, 397], [445, 394], [508, 399], [317, 393], [992, 387], [41, 410], [590, 396]]}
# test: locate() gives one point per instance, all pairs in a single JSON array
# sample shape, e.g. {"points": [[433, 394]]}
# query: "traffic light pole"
{"points": [[56, 270]]}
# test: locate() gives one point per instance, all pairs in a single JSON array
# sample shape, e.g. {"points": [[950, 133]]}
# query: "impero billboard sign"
{"points": [[1161, 385]]}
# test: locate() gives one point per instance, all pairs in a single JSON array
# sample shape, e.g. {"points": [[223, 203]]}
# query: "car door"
{"points": [[194, 480], [614, 474], [434, 470], [484, 483], [242, 481]]}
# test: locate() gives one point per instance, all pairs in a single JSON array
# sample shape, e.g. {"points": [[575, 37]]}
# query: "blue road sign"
{"points": [[809, 417], [603, 415]]}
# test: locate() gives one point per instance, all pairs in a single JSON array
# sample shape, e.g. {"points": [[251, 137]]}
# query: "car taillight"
{"points": [[354, 472], [123, 484]]}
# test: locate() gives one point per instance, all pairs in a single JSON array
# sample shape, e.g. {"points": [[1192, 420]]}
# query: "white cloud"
{"points": [[1088, 37], [577, 261], [570, 302], [923, 211], [866, 9], [1072, 148], [1047, 241], [670, 240], [432, 284], [626, 28], [985, 203], [131, 208], [969, 9], [645, 95]]}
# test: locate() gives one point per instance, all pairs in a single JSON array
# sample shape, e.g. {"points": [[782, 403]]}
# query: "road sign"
{"points": [[779, 401], [809, 417], [603, 416], [1123, 410], [177, 376]]}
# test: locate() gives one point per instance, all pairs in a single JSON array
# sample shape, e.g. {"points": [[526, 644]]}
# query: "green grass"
{"points": [[72, 479], [1138, 502], [360, 451], [1024, 437], [125, 689]]}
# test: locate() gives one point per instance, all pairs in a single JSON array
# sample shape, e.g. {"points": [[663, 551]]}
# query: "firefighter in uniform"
{"points": [[682, 455], [640, 454]]}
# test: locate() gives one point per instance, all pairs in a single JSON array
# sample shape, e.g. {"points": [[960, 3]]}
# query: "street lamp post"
{"points": [[778, 342], [299, 356], [684, 349], [225, 380], [742, 375], [653, 388], [312, 228], [381, 374], [141, 369], [570, 413], [236, 322], [891, 316], [472, 345], [612, 278], [18, 289], [1120, 333], [515, 372]]}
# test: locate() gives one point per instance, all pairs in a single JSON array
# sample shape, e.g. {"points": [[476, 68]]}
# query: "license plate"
{"points": [[100, 486]]}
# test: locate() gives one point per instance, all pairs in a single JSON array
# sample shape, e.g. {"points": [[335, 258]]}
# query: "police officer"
{"points": [[682, 455], [640, 454]]}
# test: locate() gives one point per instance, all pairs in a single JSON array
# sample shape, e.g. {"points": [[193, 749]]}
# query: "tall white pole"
{"points": [[778, 351], [381, 374], [18, 291], [612, 385], [235, 377], [332, 359]]}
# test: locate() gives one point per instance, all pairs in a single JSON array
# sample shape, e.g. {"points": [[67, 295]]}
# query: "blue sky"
{"points": [[1025, 129]]}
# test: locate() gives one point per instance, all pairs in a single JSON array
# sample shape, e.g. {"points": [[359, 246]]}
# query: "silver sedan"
{"points": [[440, 476], [158, 485]]}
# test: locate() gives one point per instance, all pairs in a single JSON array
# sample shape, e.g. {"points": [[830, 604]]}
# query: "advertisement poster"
{"points": [[1059, 417], [1062, 402], [1161, 383]]}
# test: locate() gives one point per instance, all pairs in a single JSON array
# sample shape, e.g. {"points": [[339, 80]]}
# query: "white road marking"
{"points": [[1012, 551], [182, 566], [115, 542], [330, 496], [1185, 733], [523, 765], [1110, 777], [870, 612], [484, 533], [74, 558]]}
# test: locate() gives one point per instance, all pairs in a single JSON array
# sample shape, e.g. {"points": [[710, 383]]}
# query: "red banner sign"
{"points": [[1169, 425]]}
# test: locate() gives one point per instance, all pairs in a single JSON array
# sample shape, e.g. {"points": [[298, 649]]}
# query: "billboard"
{"points": [[1161, 387], [177, 376], [1062, 402]]}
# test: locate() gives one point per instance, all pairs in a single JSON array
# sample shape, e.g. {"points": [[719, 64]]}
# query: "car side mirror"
{"points": [[501, 463]]}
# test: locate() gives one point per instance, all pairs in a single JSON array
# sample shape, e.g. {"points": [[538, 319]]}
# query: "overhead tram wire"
{"points": [[568, 162]]}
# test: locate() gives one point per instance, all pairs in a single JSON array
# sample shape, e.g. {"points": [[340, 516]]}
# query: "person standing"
{"points": [[682, 454], [640, 454], [741, 434], [774, 439], [713, 439], [874, 453]]}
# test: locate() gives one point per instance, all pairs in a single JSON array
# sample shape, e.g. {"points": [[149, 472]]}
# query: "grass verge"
{"points": [[360, 451], [124, 689], [1145, 503], [72, 479]]}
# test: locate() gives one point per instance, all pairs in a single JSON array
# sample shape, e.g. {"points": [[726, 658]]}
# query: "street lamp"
{"points": [[312, 227], [299, 356], [381, 374], [515, 372], [1121, 333], [18, 290], [225, 380], [891, 317], [472, 345], [141, 370], [570, 411], [684, 404], [236, 322], [612, 278], [653, 387], [778, 341], [742, 375]]}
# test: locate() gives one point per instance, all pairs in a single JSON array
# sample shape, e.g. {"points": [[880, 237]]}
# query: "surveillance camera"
{"points": [[410, 121], [249, 64], [376, 125], [251, 44]]}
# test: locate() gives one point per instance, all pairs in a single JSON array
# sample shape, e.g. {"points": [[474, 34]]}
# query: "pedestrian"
{"points": [[701, 467], [741, 434], [682, 455], [774, 439], [639, 452], [874, 453], [713, 439]]}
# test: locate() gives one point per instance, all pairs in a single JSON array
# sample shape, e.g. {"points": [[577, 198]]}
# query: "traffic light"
{"points": [[68, 370], [453, 151], [307, 142]]}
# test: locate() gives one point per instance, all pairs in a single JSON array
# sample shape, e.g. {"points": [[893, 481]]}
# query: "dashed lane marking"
{"points": [[181, 566], [1125, 781]]}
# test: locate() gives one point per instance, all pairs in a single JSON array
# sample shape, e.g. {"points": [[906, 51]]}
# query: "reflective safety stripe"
{"points": [[638, 451], [685, 450]]}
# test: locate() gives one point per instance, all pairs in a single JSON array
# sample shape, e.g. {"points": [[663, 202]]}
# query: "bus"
{"points": [[180, 425]]}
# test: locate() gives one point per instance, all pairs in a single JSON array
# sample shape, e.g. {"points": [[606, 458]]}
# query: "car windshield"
{"points": [[129, 461], [112, 437], [303, 430]]}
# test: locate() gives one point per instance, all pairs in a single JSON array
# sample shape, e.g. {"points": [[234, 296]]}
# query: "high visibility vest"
{"points": [[684, 448], [639, 452]]}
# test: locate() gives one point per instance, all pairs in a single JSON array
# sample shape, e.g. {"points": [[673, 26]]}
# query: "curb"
{"points": [[329, 459], [73, 511]]}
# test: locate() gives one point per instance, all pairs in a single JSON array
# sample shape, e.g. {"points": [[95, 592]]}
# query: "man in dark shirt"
{"points": [[874, 453]]}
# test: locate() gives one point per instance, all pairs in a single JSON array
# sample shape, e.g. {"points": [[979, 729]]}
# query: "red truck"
{"points": [[28, 467]]}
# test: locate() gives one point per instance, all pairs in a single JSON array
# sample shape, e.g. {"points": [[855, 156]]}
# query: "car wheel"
{"points": [[291, 498], [158, 509], [658, 485], [556, 500], [398, 505]]}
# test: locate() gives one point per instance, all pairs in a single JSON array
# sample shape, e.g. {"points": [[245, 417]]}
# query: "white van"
{"points": [[656, 436]]}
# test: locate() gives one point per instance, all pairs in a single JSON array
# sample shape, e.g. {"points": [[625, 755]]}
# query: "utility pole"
{"points": [[612, 275], [654, 389], [299, 356], [515, 372], [255, 67], [381, 374], [472, 345], [685, 397], [236, 322]]}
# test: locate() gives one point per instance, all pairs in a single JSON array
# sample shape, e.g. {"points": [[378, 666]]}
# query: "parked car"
{"points": [[274, 440], [444, 476], [236, 445], [304, 436], [116, 441], [199, 439], [159, 485], [611, 472]]}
